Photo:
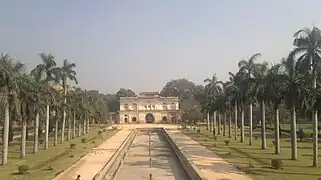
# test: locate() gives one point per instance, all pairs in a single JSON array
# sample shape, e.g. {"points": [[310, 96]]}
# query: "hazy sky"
{"points": [[142, 44]]}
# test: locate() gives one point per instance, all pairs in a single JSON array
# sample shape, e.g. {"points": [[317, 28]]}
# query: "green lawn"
{"points": [[58, 158], [256, 162]]}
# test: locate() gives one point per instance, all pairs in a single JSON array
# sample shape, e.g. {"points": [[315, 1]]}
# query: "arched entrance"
{"points": [[134, 119], [126, 118], [164, 119], [149, 118]]}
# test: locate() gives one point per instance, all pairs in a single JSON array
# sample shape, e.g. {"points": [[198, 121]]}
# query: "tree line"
{"points": [[42, 101], [293, 85]]}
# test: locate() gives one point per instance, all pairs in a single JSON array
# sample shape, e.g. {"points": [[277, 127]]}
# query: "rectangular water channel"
{"points": [[136, 165]]}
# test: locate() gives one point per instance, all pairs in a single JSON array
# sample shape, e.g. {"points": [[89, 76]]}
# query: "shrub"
{"points": [[273, 142], [215, 138], [255, 137], [84, 140], [71, 155], [23, 168], [49, 168], [93, 142], [198, 130], [276, 163], [72, 145], [100, 132], [301, 134], [227, 142]]}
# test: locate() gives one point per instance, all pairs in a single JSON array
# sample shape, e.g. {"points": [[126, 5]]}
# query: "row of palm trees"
{"points": [[43, 100], [294, 84]]}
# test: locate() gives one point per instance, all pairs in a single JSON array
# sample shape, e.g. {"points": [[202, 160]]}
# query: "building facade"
{"points": [[149, 107]]}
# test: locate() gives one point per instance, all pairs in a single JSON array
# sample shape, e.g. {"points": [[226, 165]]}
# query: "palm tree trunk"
{"points": [[293, 134], [84, 127], [277, 131], [36, 128], [74, 126], [219, 123], [23, 137], [69, 129], [208, 122], [47, 127], [235, 111], [64, 111], [315, 123], [211, 122], [56, 131], [79, 128], [315, 138], [87, 126], [5, 134], [63, 126], [263, 136], [242, 124], [214, 123], [250, 123], [230, 124], [224, 124]]}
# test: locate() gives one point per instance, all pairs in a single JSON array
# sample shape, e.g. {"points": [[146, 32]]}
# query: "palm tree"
{"points": [[275, 86], [211, 91], [307, 43], [294, 83], [48, 69], [64, 73], [248, 67], [238, 91], [262, 94], [8, 84], [26, 97]]}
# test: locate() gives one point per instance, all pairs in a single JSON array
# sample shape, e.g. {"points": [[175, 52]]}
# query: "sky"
{"points": [[142, 44]]}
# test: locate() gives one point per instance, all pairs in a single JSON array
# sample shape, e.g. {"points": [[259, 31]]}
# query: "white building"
{"points": [[149, 107]]}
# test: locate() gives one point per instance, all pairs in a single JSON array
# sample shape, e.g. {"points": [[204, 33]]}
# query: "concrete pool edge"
{"points": [[111, 167], [188, 166]]}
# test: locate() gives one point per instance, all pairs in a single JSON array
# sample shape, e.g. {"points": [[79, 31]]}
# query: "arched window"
{"points": [[126, 106], [134, 106]]}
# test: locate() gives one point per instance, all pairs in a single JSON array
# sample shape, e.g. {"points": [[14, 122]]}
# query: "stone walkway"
{"points": [[211, 166], [93, 162]]}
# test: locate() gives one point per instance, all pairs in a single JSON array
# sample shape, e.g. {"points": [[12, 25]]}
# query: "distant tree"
{"points": [[192, 116], [112, 102], [182, 88], [125, 93]]}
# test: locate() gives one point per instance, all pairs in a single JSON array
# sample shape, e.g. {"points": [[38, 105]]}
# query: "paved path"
{"points": [[211, 166], [93, 162], [164, 164]]}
